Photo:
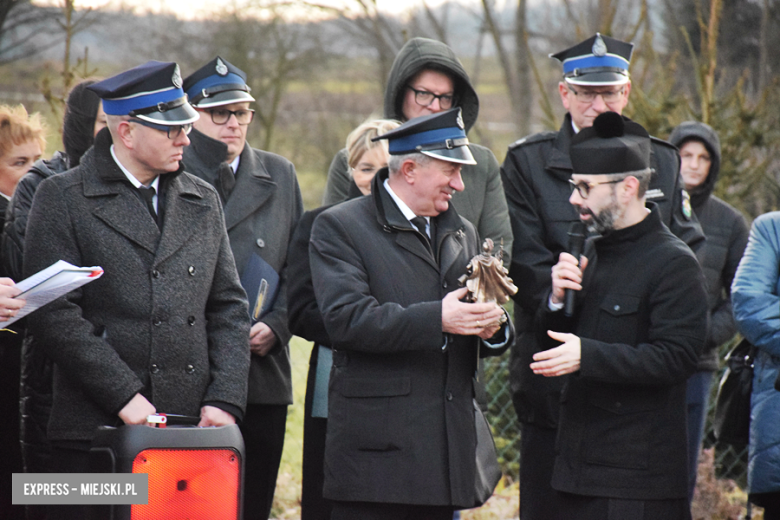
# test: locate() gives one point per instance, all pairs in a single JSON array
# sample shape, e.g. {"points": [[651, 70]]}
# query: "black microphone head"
{"points": [[577, 234]]}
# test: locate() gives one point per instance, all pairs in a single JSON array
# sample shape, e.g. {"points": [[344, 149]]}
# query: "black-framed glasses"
{"points": [[584, 187], [589, 96], [172, 131], [220, 116], [425, 98]]}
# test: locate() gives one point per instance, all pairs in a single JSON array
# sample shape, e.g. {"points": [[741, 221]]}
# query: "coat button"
{"points": [[190, 369], [617, 307], [449, 396], [444, 284], [618, 404], [191, 320], [154, 368], [260, 242], [191, 270], [157, 323], [156, 273]]}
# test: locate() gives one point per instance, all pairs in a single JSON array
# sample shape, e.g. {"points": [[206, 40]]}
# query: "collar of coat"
{"points": [[99, 159], [212, 152]]}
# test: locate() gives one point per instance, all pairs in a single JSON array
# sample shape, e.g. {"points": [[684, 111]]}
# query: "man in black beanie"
{"points": [[638, 326]]}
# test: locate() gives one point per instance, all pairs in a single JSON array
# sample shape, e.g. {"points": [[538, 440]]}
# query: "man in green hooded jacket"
{"points": [[426, 78]]}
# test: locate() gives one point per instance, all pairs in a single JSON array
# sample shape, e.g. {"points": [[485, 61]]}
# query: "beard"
{"points": [[604, 221]]}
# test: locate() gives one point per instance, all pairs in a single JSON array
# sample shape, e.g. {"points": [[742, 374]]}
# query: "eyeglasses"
{"points": [[172, 131], [425, 98], [220, 116], [584, 187], [589, 96]]}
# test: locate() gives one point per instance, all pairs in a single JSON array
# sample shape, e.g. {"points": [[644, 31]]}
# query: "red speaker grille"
{"points": [[192, 484]]}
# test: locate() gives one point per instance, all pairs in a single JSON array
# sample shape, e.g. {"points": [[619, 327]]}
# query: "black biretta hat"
{"points": [[217, 83], [612, 145], [599, 60], [441, 135]]}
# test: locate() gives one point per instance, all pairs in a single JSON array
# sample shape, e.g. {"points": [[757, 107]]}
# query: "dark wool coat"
{"points": [[642, 320], [400, 414], [260, 214], [536, 175], [168, 318], [482, 202]]}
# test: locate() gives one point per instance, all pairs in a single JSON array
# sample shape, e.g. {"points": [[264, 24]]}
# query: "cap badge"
{"points": [[599, 47], [176, 78], [222, 69], [459, 121]]}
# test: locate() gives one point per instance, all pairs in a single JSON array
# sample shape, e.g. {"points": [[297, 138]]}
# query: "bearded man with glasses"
{"points": [[259, 191], [535, 176]]}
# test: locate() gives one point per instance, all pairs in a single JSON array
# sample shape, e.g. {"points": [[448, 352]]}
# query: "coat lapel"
{"points": [[122, 210], [185, 212], [126, 215], [253, 188], [558, 160]]}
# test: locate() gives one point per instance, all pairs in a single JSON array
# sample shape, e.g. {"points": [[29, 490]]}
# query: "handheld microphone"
{"points": [[577, 234]]}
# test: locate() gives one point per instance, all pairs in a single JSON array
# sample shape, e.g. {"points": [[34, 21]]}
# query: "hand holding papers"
{"points": [[9, 305], [51, 283]]}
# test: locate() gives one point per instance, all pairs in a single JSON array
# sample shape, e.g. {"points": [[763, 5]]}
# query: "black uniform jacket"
{"points": [[400, 414], [535, 175], [168, 318], [260, 214], [642, 320]]}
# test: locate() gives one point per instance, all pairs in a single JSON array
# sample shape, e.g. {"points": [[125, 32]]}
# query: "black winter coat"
{"points": [[400, 415], [36, 368], [642, 319], [727, 235], [535, 175], [12, 242]]}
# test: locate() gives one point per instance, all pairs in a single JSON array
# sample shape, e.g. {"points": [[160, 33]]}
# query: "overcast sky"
{"points": [[203, 8]]}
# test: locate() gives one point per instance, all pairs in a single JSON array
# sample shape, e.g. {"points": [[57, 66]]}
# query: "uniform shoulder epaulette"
{"points": [[658, 140], [534, 138]]}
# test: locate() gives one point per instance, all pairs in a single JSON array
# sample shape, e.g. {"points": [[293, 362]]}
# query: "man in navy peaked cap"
{"points": [[401, 436], [639, 323], [166, 328], [536, 173], [262, 201]]}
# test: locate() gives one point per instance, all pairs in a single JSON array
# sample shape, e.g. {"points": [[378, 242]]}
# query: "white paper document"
{"points": [[51, 283]]}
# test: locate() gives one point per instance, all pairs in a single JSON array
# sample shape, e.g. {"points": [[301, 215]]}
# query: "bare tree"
{"points": [[20, 29]]}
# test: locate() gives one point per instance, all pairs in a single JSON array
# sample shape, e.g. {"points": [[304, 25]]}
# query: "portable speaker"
{"points": [[194, 473]]}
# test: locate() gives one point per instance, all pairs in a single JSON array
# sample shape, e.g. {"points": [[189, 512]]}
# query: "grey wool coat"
{"points": [[168, 318], [400, 401], [261, 215]]}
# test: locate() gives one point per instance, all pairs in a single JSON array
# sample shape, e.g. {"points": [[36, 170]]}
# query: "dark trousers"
{"points": [[601, 508], [72, 457], [380, 511], [698, 398], [263, 429], [538, 500], [313, 505]]}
